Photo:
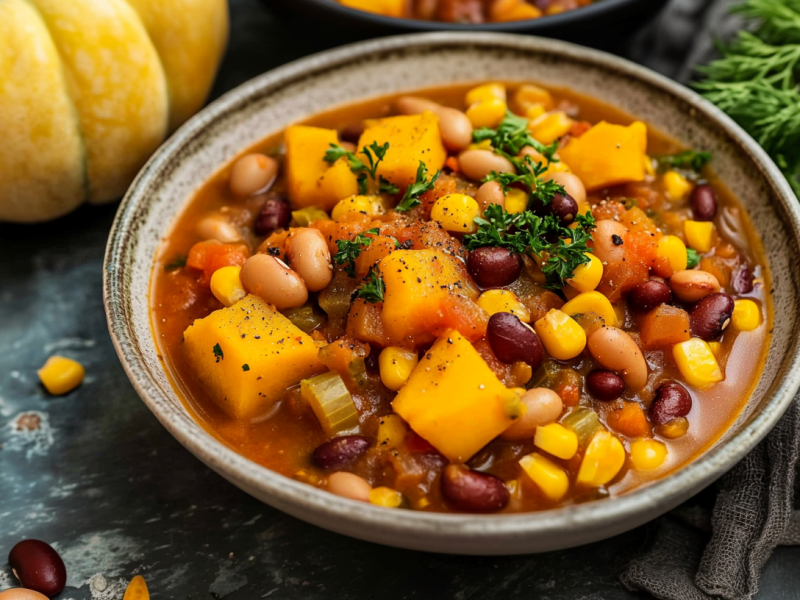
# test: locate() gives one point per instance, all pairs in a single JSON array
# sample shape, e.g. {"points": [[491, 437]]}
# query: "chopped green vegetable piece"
{"points": [[415, 190], [218, 352], [372, 289], [692, 258], [511, 136], [179, 261], [305, 216], [331, 402], [245, 367], [305, 318], [694, 161], [584, 422], [350, 249]]}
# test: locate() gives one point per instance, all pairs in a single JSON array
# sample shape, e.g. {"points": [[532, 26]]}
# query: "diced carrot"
{"points": [[635, 219], [664, 326], [620, 278], [364, 323], [338, 355], [452, 164], [629, 420], [642, 247], [445, 184], [211, 255], [579, 128], [718, 268], [662, 267], [379, 247], [608, 210]]}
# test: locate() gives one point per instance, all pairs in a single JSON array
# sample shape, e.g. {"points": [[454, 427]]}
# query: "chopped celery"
{"points": [[335, 301], [584, 422], [331, 402], [358, 372], [304, 318], [305, 216]]}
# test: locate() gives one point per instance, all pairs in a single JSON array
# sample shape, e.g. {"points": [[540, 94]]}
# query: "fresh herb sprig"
{"points": [[349, 250], [511, 136], [525, 232], [415, 190], [529, 174], [691, 160], [373, 288], [374, 154], [692, 258]]}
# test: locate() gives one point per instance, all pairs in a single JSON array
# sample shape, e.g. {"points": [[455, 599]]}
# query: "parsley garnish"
{"points": [[689, 159], [415, 190], [178, 262], [528, 174], [372, 289], [349, 250], [218, 352], [526, 232], [511, 136], [374, 155], [245, 367], [692, 258]]}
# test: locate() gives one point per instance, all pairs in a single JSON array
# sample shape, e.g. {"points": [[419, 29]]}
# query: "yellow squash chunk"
{"points": [[117, 83], [608, 154], [697, 363], [550, 126], [549, 477], [487, 113], [516, 201], [391, 431], [455, 401], [245, 356], [411, 139], [42, 154], [676, 185], [603, 459], [387, 8], [591, 302], [60, 375], [487, 91]]}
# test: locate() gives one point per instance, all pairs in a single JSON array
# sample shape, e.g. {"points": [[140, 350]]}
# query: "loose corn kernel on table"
{"points": [[95, 474]]}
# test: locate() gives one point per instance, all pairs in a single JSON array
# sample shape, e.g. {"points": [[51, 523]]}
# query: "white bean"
{"points": [[454, 126], [544, 407], [271, 280], [477, 164], [253, 173], [692, 285], [349, 485], [217, 227], [308, 253], [608, 241], [614, 349]]}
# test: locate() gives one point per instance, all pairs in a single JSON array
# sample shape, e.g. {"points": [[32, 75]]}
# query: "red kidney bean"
{"points": [[704, 203], [564, 208], [672, 401], [742, 280], [711, 315], [275, 214], [339, 451], [648, 295], [494, 267], [352, 133], [38, 567], [371, 362], [605, 385], [511, 340], [472, 491]]}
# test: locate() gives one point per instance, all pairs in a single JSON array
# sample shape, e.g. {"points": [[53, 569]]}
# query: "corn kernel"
{"points": [[746, 315], [673, 249], [557, 440], [696, 363], [487, 91], [550, 127], [528, 95], [487, 113], [548, 477], [587, 276], [227, 286], [395, 365], [602, 460], [676, 185], [647, 454], [516, 201], [534, 111], [649, 169], [561, 335], [716, 348], [456, 213], [386, 497], [674, 429], [699, 235], [369, 205], [392, 431], [422, 503], [496, 301], [591, 302], [482, 145], [60, 375]]}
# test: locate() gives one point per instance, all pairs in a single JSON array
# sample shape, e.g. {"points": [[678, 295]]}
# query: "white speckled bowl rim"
{"points": [[269, 102]]}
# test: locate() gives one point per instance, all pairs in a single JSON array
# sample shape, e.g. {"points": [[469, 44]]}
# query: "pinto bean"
{"points": [[273, 281], [648, 295], [605, 385], [615, 350], [544, 407], [608, 241], [490, 192], [21, 594], [217, 227], [571, 183], [477, 164], [703, 200], [742, 280], [310, 257], [511, 340], [672, 400], [349, 485], [692, 285], [454, 126], [709, 317], [339, 451], [253, 173], [38, 567], [494, 267], [472, 491]]}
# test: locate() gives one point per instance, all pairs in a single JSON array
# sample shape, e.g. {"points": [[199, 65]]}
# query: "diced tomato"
{"points": [[211, 255], [579, 128]]}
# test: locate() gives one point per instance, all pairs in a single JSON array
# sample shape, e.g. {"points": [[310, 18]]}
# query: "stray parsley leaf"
{"points": [[218, 352], [349, 250], [689, 159], [415, 190], [529, 175], [178, 262], [692, 258], [511, 136], [372, 289], [245, 367], [374, 154]]}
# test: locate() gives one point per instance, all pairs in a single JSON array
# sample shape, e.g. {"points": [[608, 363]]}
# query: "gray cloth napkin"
{"points": [[718, 551]]}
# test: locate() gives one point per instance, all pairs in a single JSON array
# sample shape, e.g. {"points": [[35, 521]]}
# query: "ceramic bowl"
{"points": [[275, 99]]}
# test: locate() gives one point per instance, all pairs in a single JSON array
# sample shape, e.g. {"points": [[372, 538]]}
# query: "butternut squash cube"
{"points": [[246, 355], [411, 139], [607, 154], [665, 326], [454, 401], [311, 180]]}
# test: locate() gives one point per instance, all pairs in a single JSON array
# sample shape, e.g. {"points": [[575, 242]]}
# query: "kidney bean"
{"points": [[672, 401], [511, 340], [275, 214], [352, 133], [711, 315], [371, 361], [704, 203], [349, 485], [742, 280], [564, 208], [472, 491], [544, 407], [605, 385], [648, 295], [339, 451], [494, 267], [38, 567]]}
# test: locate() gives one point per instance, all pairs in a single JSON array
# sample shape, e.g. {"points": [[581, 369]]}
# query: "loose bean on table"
{"points": [[339, 451], [711, 315], [271, 280], [310, 257], [253, 173], [472, 491], [494, 267], [38, 567], [349, 485], [544, 407], [511, 340], [692, 285], [615, 350]]}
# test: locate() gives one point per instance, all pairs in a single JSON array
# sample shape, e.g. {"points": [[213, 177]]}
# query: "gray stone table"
{"points": [[97, 476]]}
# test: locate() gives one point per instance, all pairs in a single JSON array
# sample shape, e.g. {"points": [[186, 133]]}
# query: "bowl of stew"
{"points": [[470, 293]]}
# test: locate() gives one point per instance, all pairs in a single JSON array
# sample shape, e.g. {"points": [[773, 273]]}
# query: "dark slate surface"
{"points": [[105, 484]]}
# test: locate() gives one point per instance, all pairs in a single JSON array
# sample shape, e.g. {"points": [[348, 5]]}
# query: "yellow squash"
{"points": [[90, 88]]}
